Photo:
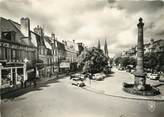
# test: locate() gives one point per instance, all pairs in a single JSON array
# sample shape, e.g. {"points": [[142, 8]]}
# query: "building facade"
{"points": [[80, 48], [72, 50], [44, 52], [15, 47], [156, 47]]}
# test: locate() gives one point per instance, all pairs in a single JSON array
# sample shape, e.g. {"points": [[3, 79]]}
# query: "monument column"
{"points": [[140, 87], [140, 80]]}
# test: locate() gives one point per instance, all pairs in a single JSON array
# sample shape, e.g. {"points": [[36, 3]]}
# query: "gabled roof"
{"points": [[39, 39], [15, 24], [22, 40], [47, 42]]}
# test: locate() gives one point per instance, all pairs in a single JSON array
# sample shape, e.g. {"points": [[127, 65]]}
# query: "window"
{"points": [[8, 54], [5, 53], [42, 51], [13, 54], [18, 55], [1, 53], [10, 35]]}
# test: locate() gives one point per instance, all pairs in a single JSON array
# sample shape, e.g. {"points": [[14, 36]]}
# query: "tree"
{"points": [[92, 60], [161, 62], [132, 61], [117, 61], [124, 61], [150, 60]]}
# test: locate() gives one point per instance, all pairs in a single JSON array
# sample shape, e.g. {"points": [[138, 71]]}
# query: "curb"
{"points": [[118, 96], [18, 88]]}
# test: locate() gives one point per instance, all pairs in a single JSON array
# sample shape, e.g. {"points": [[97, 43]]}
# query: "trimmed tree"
{"points": [[92, 60]]}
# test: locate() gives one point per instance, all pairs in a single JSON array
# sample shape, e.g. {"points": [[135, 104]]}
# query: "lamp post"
{"points": [[58, 66], [24, 69]]}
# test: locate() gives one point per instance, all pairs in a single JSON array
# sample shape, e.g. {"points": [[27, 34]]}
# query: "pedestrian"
{"points": [[36, 76]]}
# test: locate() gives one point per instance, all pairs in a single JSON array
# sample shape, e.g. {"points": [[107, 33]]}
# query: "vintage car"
{"points": [[99, 76], [77, 77], [153, 76]]}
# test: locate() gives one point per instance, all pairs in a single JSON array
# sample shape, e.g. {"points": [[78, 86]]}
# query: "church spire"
{"points": [[98, 46], [106, 48]]}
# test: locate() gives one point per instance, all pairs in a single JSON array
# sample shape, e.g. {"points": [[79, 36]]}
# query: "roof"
{"points": [[16, 27], [34, 38], [60, 46], [47, 42], [15, 24]]}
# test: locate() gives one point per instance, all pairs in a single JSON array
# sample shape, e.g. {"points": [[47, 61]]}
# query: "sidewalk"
{"points": [[112, 86], [16, 88]]}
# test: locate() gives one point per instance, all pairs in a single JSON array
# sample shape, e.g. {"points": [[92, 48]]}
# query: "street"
{"points": [[61, 99], [97, 58]]}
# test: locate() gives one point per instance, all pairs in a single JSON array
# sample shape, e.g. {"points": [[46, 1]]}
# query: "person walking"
{"points": [[36, 76]]}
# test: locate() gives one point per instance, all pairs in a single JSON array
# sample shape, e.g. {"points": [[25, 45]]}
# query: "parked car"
{"points": [[153, 76], [77, 77], [99, 76], [132, 71], [78, 84], [121, 68]]}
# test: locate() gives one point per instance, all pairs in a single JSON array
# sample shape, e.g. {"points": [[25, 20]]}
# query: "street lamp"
{"points": [[24, 69], [58, 58]]}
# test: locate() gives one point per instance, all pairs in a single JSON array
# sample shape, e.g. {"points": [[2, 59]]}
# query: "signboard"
{"points": [[64, 65], [29, 71]]}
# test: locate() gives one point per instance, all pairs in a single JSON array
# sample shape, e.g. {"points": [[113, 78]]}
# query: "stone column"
{"points": [[140, 79]]}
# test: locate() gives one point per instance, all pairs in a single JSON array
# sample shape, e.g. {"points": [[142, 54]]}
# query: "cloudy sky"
{"points": [[88, 21]]}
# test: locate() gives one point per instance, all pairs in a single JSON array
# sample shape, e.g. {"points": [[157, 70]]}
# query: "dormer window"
{"points": [[8, 35]]}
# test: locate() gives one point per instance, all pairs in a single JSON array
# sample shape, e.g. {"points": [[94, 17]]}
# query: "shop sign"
{"points": [[64, 65]]}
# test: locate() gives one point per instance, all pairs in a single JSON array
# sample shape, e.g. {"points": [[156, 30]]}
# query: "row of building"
{"points": [[156, 47], [23, 49], [152, 46]]}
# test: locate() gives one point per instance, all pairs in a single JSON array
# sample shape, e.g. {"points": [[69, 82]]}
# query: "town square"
{"points": [[101, 58]]}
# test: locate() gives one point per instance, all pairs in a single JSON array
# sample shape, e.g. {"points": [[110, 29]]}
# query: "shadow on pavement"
{"points": [[158, 85], [22, 91], [110, 74]]}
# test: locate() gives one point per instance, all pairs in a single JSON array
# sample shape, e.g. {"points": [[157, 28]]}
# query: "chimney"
{"points": [[53, 36], [151, 41], [39, 30], [25, 26]]}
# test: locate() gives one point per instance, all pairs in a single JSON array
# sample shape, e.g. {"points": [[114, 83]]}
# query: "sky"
{"points": [[88, 21]]}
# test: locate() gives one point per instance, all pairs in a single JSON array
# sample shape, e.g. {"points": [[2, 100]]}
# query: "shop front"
{"points": [[11, 74], [64, 67]]}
